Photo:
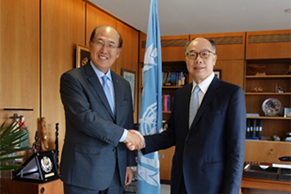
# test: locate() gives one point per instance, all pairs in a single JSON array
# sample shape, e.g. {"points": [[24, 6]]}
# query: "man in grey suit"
{"points": [[98, 110], [209, 152]]}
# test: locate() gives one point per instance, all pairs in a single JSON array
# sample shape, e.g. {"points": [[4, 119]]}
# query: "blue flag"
{"points": [[151, 105]]}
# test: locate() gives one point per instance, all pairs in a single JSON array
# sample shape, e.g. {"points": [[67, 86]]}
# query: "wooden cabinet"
{"points": [[166, 157], [9, 186], [268, 44], [261, 185], [268, 57], [266, 151], [275, 84]]}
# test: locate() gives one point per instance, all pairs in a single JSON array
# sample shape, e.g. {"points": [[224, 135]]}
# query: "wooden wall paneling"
{"points": [[274, 44], [19, 59], [129, 54], [128, 58], [97, 17], [62, 27], [231, 71], [228, 45]]}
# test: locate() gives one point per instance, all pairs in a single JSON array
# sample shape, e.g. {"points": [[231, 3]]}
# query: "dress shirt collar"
{"points": [[204, 85], [100, 73]]}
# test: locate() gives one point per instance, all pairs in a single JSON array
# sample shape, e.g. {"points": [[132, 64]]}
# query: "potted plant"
{"points": [[11, 137]]}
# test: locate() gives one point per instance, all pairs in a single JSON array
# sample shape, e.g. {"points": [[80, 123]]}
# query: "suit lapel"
{"points": [[208, 98], [97, 87], [117, 92]]}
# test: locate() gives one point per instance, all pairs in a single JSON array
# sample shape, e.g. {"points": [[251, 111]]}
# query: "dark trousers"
{"points": [[114, 188]]}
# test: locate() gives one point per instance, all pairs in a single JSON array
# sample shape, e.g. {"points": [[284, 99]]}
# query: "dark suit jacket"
{"points": [[92, 149], [210, 155]]}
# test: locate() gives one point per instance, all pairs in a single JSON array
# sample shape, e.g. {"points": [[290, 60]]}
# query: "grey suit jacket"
{"points": [[210, 154], [91, 148]]}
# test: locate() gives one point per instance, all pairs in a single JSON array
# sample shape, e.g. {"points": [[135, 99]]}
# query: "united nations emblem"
{"points": [[148, 122]]}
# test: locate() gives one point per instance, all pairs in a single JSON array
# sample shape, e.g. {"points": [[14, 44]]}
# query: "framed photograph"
{"points": [[82, 55], [130, 77], [287, 112], [217, 73]]}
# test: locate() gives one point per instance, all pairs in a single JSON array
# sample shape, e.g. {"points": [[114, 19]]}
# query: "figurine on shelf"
{"points": [[258, 89], [43, 134], [288, 72], [259, 70]]}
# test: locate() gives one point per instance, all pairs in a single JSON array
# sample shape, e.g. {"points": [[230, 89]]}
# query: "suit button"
{"points": [[114, 149], [187, 142]]}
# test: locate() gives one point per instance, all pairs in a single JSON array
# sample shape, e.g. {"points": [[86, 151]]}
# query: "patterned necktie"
{"points": [[107, 92], [194, 105]]}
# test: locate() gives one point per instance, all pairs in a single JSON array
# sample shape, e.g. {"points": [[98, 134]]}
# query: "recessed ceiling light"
{"points": [[287, 10]]}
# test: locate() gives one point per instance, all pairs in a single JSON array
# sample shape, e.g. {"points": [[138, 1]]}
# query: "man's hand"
{"points": [[128, 176], [134, 140]]}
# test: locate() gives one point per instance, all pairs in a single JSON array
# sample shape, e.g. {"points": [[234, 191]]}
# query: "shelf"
{"points": [[267, 76], [270, 118], [171, 87], [268, 93]]}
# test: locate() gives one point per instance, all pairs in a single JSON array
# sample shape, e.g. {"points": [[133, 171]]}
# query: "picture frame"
{"points": [[217, 73], [130, 76], [82, 55], [287, 112]]}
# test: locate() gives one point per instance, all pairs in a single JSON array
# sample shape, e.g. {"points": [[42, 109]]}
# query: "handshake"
{"points": [[134, 140]]}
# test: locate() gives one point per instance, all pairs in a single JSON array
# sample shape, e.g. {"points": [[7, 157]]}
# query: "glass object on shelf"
{"points": [[287, 112], [271, 107], [288, 72], [279, 88]]}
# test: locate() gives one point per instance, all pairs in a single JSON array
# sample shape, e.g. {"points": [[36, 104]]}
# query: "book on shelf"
{"points": [[174, 78], [167, 99], [254, 129], [253, 114]]}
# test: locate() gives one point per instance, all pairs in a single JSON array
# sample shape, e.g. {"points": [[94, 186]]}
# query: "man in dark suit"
{"points": [[98, 113], [209, 152]]}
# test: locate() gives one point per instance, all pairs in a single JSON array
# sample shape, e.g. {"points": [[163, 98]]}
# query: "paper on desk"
{"points": [[288, 166]]}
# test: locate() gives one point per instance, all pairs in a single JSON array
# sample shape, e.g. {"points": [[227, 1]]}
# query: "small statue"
{"points": [[36, 144], [43, 135]]}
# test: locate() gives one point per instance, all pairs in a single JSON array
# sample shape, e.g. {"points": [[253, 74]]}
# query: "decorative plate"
{"points": [[271, 106]]}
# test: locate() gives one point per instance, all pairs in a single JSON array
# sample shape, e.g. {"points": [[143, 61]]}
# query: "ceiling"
{"points": [[182, 17]]}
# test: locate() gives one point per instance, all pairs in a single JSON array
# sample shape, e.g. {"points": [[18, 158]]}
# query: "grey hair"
{"points": [[210, 40]]}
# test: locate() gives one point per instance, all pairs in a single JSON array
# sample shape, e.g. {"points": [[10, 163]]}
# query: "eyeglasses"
{"points": [[202, 54], [100, 44]]}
